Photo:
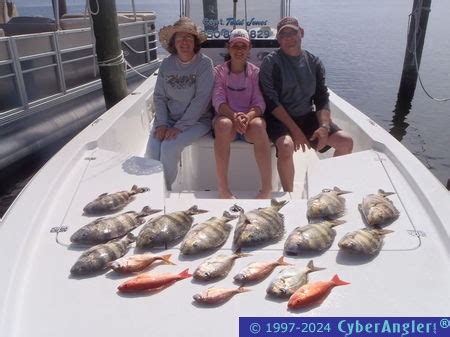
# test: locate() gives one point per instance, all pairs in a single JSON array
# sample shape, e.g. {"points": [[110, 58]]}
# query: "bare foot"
{"points": [[226, 195], [264, 195]]}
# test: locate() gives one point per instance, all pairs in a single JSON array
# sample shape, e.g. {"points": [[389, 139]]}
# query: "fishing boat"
{"points": [[50, 87], [39, 297]]}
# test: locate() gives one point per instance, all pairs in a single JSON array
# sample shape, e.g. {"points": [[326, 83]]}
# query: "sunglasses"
{"points": [[236, 89]]}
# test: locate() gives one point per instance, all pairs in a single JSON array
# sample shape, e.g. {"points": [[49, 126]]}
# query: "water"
{"points": [[362, 44]]}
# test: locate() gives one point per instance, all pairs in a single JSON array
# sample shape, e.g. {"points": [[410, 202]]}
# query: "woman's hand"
{"points": [[171, 133], [241, 122], [160, 132]]}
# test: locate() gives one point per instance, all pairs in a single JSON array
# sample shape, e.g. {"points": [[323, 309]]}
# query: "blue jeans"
{"points": [[168, 152]]}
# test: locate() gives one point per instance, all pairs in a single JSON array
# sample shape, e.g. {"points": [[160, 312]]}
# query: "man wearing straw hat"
{"points": [[182, 96]]}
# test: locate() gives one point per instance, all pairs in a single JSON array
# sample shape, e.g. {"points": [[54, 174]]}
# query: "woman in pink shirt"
{"points": [[239, 107]]}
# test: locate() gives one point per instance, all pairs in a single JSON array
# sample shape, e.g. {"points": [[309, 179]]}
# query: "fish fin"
{"points": [[102, 195], [384, 194], [281, 262], [184, 274], [338, 282], [131, 237], [278, 204], [136, 190], [238, 253], [236, 208], [134, 187], [312, 267], [381, 231], [166, 259], [339, 191]]}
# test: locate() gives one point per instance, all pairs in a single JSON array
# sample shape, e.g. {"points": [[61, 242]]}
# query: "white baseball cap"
{"points": [[239, 35]]}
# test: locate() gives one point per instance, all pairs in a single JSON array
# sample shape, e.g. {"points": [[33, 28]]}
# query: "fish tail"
{"points": [[278, 204], [195, 210], [166, 259], [339, 191], [229, 216], [338, 282], [147, 210], [242, 289], [237, 253], [337, 222], [184, 274], [131, 237], [384, 194], [381, 231], [311, 267], [281, 262], [136, 190]]}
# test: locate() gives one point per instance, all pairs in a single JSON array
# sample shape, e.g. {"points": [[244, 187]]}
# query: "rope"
{"points": [[414, 51]]}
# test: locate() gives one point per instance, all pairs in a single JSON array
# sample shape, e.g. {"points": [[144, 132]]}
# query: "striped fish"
{"points": [[109, 203], [260, 226], [165, 229], [326, 205], [99, 257], [207, 235], [313, 237], [290, 279], [377, 209], [105, 229], [366, 241]]}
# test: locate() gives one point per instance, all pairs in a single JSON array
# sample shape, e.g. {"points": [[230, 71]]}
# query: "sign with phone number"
{"points": [[225, 34]]}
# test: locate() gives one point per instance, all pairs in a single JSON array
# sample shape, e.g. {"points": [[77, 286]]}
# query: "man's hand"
{"points": [[160, 132], [300, 140], [171, 133], [321, 134]]}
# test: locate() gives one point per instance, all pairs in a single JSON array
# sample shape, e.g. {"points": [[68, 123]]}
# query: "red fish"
{"points": [[152, 281], [315, 292]]}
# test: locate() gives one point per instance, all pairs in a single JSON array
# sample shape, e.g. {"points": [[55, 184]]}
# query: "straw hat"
{"points": [[185, 25]]}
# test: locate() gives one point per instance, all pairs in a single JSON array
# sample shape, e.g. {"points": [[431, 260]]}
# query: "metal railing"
{"points": [[52, 67]]}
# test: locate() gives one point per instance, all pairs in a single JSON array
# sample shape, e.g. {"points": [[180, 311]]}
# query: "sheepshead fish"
{"points": [[148, 281], [260, 225], [98, 257], [313, 237], [165, 229], [377, 209], [326, 205], [138, 262], [217, 266], [367, 241], [290, 279], [218, 295], [105, 229], [257, 271], [207, 235], [315, 292], [108, 203]]}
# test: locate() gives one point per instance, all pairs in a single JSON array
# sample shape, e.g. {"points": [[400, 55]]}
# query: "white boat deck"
{"points": [[44, 300]]}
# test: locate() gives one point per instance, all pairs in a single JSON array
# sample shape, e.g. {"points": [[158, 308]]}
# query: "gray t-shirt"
{"points": [[296, 83], [183, 92]]}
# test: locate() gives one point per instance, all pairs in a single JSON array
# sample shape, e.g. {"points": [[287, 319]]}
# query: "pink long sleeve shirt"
{"points": [[240, 91]]}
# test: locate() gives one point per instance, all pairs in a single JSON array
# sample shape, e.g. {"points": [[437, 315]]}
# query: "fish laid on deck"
{"points": [[108, 203], [152, 281], [367, 241], [290, 279], [257, 271], [313, 237], [138, 262], [98, 257], [165, 229], [207, 235], [105, 229], [314, 293], [217, 266], [218, 295], [326, 205], [260, 225], [377, 209]]}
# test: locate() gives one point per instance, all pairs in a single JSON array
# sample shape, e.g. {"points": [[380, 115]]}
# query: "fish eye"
{"points": [[207, 274]]}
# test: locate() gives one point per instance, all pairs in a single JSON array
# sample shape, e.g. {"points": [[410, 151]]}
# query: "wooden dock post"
{"points": [[413, 53], [106, 31]]}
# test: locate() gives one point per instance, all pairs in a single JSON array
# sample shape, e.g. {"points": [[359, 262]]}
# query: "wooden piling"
{"points": [[413, 53], [106, 31]]}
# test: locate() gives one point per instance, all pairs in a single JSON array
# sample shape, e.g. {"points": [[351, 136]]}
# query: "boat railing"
{"points": [[42, 70]]}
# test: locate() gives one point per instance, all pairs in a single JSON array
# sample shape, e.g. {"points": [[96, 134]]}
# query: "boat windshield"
{"points": [[217, 19]]}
